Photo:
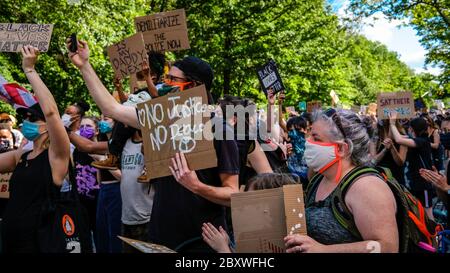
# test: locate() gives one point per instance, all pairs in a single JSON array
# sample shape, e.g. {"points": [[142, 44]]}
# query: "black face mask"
{"points": [[5, 145]]}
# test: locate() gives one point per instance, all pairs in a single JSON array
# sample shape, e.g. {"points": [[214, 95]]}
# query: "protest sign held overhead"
{"points": [[400, 102], [302, 106], [176, 123], [270, 78], [127, 57], [14, 36], [164, 31]]}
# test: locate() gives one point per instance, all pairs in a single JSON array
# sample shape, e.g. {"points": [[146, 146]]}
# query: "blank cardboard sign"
{"points": [[14, 36], [146, 247], [261, 219], [4, 185], [164, 31], [127, 56], [176, 123]]}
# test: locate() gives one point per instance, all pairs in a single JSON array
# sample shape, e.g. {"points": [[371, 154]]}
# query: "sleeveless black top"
{"points": [[29, 188]]}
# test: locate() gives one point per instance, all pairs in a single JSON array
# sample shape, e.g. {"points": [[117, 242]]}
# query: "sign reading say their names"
{"points": [[400, 102], [270, 78], [164, 31], [128, 56], [176, 123], [14, 36], [4, 184]]}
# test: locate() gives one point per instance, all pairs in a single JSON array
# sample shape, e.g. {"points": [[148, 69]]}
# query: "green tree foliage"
{"points": [[314, 53], [431, 19]]}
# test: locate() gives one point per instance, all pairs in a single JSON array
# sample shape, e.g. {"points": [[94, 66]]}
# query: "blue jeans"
{"points": [[109, 223]]}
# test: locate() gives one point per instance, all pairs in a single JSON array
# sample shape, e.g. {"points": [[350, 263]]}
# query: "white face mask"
{"points": [[66, 119], [321, 155]]}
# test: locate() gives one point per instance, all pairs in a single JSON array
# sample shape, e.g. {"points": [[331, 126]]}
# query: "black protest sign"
{"points": [[127, 57], [14, 36], [269, 77], [177, 122], [164, 31]]}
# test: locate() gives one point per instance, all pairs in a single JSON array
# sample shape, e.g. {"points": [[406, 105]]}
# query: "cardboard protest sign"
{"points": [[176, 123], [313, 105], [290, 109], [334, 97], [4, 185], [127, 57], [401, 102], [14, 36], [270, 78], [164, 31], [261, 219], [302, 106], [146, 247]]}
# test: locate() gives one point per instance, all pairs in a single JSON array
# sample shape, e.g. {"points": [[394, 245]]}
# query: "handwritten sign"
{"points": [[269, 77], [14, 36], [128, 56], [164, 31], [4, 185], [176, 123], [401, 102], [313, 105]]}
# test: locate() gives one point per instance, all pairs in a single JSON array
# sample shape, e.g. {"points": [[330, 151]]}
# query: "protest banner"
{"points": [[164, 31], [127, 57], [270, 78], [261, 219], [14, 36], [302, 106], [146, 247], [176, 123], [313, 105], [4, 185], [400, 102]]}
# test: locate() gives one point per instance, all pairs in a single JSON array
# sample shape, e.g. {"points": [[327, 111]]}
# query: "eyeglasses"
{"points": [[331, 113]]}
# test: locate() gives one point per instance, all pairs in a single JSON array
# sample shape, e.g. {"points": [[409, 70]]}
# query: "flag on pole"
{"points": [[15, 94]]}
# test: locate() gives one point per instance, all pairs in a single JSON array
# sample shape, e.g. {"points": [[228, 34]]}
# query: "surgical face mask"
{"points": [[66, 119], [87, 132], [321, 155], [104, 127], [30, 130], [5, 145], [135, 99]]}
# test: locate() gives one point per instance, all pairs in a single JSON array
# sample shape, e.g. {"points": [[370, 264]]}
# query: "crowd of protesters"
{"points": [[188, 211]]}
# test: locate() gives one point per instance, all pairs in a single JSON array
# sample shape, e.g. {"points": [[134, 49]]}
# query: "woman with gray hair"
{"points": [[338, 145]]}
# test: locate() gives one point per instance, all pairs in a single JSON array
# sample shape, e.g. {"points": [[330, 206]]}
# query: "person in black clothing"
{"points": [[390, 154], [419, 157], [180, 207], [36, 171]]}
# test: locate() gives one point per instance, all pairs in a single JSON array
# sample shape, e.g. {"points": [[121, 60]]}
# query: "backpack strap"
{"points": [[340, 210]]}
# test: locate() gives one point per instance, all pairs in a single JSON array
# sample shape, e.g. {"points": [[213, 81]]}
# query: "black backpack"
{"points": [[413, 224], [64, 222]]}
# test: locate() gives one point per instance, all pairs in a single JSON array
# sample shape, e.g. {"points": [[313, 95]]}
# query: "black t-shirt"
{"points": [[418, 158], [178, 214], [388, 162]]}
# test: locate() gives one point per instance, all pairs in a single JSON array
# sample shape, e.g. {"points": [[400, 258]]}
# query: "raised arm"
{"points": [[59, 150], [398, 138], [105, 101]]}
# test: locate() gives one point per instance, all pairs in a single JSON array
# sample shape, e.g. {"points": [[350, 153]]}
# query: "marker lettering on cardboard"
{"points": [[14, 36]]}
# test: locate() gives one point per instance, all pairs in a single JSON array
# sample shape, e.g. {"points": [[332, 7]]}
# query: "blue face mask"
{"points": [[104, 127], [298, 141], [30, 130]]}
